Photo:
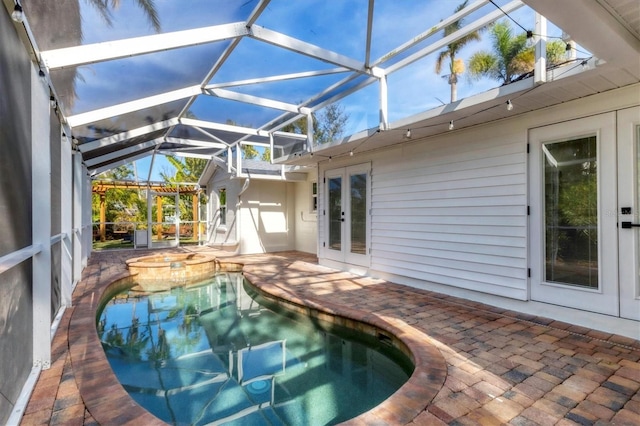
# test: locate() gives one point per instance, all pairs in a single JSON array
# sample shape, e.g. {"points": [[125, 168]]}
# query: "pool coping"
{"points": [[109, 403]]}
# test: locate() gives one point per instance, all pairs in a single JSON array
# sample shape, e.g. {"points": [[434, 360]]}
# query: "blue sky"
{"points": [[337, 25]]}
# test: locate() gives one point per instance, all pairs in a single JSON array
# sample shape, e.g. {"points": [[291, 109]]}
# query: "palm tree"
{"points": [[512, 56], [148, 6], [456, 66]]}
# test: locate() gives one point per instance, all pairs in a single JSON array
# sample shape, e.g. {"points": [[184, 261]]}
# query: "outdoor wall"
{"points": [[453, 211], [306, 220], [218, 235], [266, 217], [16, 327], [449, 210]]}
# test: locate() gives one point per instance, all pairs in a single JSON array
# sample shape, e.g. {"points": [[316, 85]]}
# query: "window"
{"points": [[314, 197], [222, 202], [571, 212]]}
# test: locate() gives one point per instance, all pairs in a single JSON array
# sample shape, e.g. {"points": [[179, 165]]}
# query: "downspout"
{"points": [[245, 186]]}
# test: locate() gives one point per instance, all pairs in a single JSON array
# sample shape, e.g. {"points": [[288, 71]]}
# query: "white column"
{"points": [[66, 217], [384, 115], [540, 70], [41, 220], [87, 230], [310, 139], [77, 216]]}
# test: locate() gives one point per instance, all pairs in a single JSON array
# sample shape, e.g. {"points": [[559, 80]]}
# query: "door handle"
{"points": [[629, 225]]}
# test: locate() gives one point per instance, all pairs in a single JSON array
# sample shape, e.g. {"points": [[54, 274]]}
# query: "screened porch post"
{"points": [[103, 216], [66, 214], [41, 221], [77, 216], [159, 217]]}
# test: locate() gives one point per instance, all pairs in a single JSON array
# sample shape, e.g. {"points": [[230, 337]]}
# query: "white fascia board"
{"points": [[304, 48], [122, 152], [252, 143], [90, 146], [467, 29], [596, 27], [108, 50], [184, 154], [223, 127], [122, 162], [126, 107], [282, 77], [433, 30], [290, 135], [250, 99], [193, 142]]}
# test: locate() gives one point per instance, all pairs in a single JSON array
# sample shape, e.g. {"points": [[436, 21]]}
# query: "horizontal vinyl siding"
{"points": [[453, 212]]}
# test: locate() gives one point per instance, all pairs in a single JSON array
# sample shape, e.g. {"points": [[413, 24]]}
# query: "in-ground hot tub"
{"points": [[176, 267]]}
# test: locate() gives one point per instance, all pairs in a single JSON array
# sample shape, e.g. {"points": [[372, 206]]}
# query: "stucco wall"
{"points": [[306, 220], [266, 218]]}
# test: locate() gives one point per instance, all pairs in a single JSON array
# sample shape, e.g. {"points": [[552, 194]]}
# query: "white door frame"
{"points": [[629, 238], [605, 299], [345, 254]]}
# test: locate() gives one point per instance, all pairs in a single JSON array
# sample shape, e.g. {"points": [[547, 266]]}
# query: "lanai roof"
{"points": [[137, 78]]}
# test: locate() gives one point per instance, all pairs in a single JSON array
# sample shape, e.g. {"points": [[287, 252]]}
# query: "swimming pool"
{"points": [[216, 352]]}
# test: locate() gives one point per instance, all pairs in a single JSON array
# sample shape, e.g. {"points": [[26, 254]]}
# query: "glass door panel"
{"points": [[572, 230], [358, 195], [347, 205], [571, 212], [336, 215]]}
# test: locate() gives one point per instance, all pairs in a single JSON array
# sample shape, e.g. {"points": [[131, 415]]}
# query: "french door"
{"points": [[573, 229], [347, 219], [629, 211]]}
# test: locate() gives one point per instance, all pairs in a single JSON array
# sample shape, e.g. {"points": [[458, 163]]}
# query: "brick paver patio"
{"points": [[497, 367]]}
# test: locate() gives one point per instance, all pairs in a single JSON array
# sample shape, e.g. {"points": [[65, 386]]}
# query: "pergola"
{"points": [[101, 187]]}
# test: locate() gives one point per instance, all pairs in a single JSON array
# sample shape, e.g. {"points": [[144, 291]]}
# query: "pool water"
{"points": [[216, 353]]}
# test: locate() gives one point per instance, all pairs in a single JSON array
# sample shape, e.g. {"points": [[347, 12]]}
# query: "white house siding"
{"points": [[306, 220], [452, 210]]}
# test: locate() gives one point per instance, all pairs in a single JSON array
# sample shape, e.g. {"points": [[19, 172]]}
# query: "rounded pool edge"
{"points": [[109, 403], [430, 369]]}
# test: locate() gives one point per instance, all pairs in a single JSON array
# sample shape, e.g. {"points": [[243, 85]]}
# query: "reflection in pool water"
{"points": [[210, 354]]}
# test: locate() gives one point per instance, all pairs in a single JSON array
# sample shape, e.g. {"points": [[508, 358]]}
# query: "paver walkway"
{"points": [[502, 367]]}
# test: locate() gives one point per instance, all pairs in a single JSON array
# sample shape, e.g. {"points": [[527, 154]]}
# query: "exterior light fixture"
{"points": [[509, 105], [17, 14], [408, 134], [451, 125], [350, 153], [52, 102]]}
